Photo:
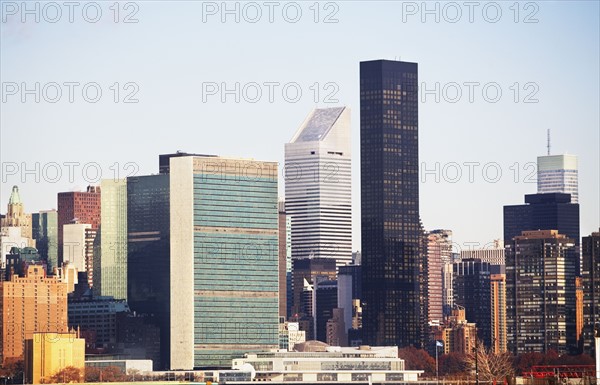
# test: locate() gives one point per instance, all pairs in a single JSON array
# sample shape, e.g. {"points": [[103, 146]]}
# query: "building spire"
{"points": [[15, 198]]}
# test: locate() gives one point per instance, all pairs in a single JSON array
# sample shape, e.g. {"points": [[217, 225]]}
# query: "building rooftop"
{"points": [[318, 124]]}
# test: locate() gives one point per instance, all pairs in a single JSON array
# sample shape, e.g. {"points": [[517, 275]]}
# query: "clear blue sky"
{"points": [[171, 52]]}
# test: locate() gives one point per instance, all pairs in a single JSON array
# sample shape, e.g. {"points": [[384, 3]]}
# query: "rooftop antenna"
{"points": [[548, 145]]}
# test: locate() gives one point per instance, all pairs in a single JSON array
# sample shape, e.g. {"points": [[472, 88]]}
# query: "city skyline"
{"points": [[481, 132], [317, 192]]}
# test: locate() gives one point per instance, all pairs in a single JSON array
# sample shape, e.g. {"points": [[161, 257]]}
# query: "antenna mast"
{"points": [[548, 145]]}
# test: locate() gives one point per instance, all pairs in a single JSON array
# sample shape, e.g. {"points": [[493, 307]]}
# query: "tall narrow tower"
{"points": [[318, 186], [391, 235]]}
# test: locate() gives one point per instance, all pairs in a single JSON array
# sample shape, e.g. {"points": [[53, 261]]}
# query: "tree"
{"points": [[112, 374], [492, 367], [452, 364], [65, 375], [417, 359], [13, 368], [92, 374]]}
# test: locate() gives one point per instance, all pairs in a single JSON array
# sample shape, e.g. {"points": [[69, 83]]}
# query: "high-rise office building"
{"points": [[349, 292], [391, 231], [110, 262], [439, 272], [318, 186], [498, 308], [493, 255], [540, 297], [552, 211], [558, 174], [325, 293], [310, 270], [591, 288], [285, 260], [224, 297], [148, 254], [31, 303], [437, 258], [45, 232], [74, 245], [471, 279], [16, 216], [82, 206]]}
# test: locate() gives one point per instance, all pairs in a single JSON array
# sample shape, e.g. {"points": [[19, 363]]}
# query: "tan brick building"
{"points": [[33, 303]]}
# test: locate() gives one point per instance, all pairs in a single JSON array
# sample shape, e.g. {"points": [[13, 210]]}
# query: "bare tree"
{"points": [[492, 367]]}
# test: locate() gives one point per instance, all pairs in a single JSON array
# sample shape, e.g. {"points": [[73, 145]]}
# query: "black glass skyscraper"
{"points": [[553, 211], [391, 253], [148, 253], [472, 290]]}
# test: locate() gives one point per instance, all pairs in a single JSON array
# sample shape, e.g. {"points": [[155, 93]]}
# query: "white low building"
{"points": [[317, 362]]}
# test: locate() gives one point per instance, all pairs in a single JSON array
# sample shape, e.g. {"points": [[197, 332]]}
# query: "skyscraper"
{"points": [[148, 254], [15, 214], [74, 245], [45, 232], [83, 206], [552, 211], [437, 257], [110, 262], [391, 231], [325, 301], [498, 307], [558, 174], [224, 259], [15, 227], [540, 297], [310, 270], [318, 186], [471, 279], [285, 261], [591, 288], [493, 256]]}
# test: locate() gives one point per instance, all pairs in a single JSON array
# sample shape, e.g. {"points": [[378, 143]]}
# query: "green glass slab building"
{"points": [[45, 232], [224, 296]]}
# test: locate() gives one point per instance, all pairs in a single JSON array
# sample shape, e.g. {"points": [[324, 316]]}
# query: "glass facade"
{"points": [[558, 174], [540, 296], [45, 232], [110, 266], [236, 302], [224, 243], [472, 290], [553, 211], [391, 244], [148, 253], [591, 288]]}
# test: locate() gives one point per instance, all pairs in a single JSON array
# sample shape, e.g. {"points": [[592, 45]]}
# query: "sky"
{"points": [[117, 84]]}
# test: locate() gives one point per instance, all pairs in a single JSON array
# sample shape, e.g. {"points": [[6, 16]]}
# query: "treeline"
{"points": [[491, 366]]}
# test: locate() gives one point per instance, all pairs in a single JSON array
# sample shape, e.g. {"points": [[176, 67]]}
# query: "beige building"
{"points": [[498, 298], [30, 304], [48, 353], [15, 215], [459, 336]]}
